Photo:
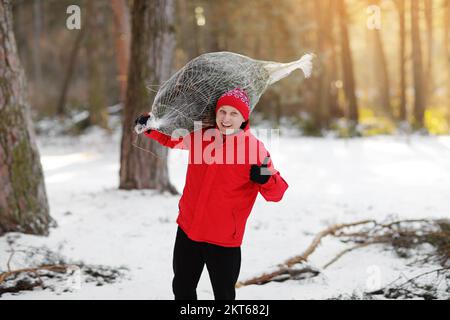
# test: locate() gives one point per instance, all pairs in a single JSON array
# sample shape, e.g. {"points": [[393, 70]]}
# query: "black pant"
{"points": [[189, 257]]}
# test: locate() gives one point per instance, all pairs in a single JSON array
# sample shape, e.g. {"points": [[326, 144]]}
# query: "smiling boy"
{"points": [[218, 196]]}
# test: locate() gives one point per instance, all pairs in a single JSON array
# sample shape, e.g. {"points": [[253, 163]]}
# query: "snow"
{"points": [[331, 180]]}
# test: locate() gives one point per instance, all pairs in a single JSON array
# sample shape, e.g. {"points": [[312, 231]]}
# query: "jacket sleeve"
{"points": [[274, 189], [168, 141]]}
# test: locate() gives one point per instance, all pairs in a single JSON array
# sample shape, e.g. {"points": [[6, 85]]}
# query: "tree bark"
{"points": [[152, 49], [419, 91], [23, 200]]}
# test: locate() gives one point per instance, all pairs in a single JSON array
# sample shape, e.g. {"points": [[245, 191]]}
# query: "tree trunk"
{"points": [[382, 75], [97, 99], [23, 199], [335, 108], [429, 85], [447, 53], [380, 71], [61, 107], [402, 60], [122, 30], [324, 17], [347, 65], [198, 34], [152, 48], [419, 92], [37, 31]]}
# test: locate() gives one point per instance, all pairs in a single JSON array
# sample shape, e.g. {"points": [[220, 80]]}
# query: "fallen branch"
{"points": [[53, 273], [277, 275], [434, 232], [318, 238], [340, 254], [54, 268], [285, 268], [401, 290]]}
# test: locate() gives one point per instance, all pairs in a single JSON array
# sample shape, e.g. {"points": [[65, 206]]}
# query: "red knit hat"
{"points": [[236, 98]]}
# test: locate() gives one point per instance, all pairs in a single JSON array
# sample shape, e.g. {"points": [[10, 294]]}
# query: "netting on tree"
{"points": [[191, 94]]}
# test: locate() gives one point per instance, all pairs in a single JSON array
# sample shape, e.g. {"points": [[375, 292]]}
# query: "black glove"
{"points": [[260, 174], [142, 119]]}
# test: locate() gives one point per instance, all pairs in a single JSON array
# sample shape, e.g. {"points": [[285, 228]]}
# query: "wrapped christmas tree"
{"points": [[191, 94]]}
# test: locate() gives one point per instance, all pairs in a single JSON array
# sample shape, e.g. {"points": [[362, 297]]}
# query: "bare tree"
{"points": [[74, 52], [152, 49], [97, 99], [419, 91], [325, 45], [122, 35], [447, 52], [23, 199], [429, 85], [37, 32], [347, 65], [185, 21], [402, 59], [380, 70]]}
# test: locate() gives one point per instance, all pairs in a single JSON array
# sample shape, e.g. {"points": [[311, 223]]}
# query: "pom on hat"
{"points": [[236, 98]]}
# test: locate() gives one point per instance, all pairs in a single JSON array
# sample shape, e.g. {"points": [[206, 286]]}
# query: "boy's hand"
{"points": [[142, 119], [260, 174], [141, 122]]}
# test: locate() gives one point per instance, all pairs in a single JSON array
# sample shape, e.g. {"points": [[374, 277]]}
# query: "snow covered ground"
{"points": [[331, 180]]}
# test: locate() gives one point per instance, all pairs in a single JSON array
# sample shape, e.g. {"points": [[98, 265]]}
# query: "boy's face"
{"points": [[229, 119]]}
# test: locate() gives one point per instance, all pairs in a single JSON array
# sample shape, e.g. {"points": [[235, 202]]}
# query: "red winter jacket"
{"points": [[218, 195]]}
